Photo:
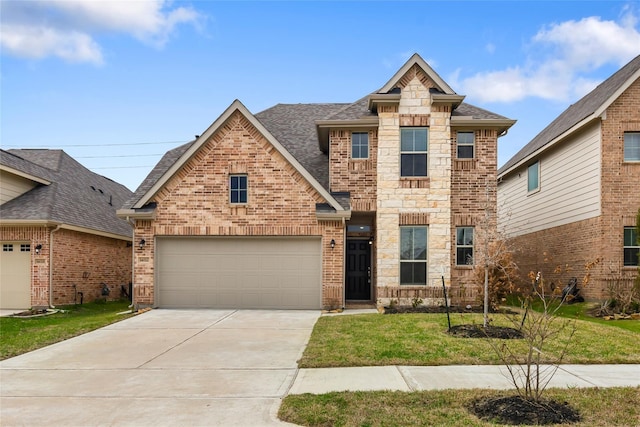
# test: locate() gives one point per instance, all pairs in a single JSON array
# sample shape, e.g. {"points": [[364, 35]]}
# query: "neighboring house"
{"points": [[321, 205], [571, 195], [61, 239]]}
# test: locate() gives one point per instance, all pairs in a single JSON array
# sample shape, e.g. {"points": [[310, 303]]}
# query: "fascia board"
{"points": [[235, 106], [39, 223], [25, 175], [417, 59]]}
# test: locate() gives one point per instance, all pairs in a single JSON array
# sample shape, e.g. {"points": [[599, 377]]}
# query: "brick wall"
{"points": [[82, 262], [473, 200], [357, 176], [103, 259], [195, 202]]}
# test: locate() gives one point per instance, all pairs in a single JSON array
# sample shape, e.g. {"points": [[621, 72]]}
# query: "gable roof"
{"points": [[68, 194], [417, 60], [175, 159], [587, 109]]}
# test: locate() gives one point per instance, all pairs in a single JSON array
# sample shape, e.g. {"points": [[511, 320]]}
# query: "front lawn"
{"points": [[21, 335], [421, 339], [597, 406]]}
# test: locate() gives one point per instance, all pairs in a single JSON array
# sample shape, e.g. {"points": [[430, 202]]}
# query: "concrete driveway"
{"points": [[161, 368]]}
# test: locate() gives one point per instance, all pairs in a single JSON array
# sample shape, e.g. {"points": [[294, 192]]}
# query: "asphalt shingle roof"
{"points": [[76, 196], [582, 109]]}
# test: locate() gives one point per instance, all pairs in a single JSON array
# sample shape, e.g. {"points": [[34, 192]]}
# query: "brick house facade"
{"points": [[330, 175], [61, 240], [583, 165]]}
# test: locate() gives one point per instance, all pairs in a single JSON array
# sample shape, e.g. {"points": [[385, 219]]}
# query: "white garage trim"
{"points": [[15, 275], [238, 272]]}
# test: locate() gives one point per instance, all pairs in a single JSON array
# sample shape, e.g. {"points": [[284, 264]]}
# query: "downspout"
{"points": [[344, 266], [51, 266], [133, 253]]}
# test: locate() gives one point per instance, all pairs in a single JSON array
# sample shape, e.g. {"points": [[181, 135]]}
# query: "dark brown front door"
{"points": [[358, 270]]}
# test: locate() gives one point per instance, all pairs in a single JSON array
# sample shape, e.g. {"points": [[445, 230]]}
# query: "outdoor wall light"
{"points": [[38, 249], [141, 244], [371, 240], [333, 243]]}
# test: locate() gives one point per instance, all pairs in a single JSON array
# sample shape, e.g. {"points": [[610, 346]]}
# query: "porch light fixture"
{"points": [[333, 243], [141, 244], [371, 240], [38, 249]]}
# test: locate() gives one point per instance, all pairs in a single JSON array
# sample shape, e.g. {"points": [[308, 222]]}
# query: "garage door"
{"points": [[280, 273], [15, 275]]}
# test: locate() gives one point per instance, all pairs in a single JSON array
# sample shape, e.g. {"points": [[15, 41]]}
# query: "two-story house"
{"points": [[571, 195], [322, 205]]}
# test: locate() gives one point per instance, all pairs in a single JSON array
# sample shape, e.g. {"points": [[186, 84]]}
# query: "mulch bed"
{"points": [[431, 309], [516, 410], [478, 331]]}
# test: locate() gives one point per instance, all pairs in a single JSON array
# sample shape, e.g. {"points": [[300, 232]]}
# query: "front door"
{"points": [[358, 270]]}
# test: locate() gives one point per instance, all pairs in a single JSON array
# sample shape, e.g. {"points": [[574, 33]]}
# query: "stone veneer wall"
{"points": [[413, 201], [195, 202]]}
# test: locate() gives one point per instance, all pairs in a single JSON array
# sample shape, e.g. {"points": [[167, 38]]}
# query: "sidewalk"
{"points": [[416, 378]]}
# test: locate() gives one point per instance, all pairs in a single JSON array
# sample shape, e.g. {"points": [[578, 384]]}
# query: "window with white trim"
{"points": [[632, 146], [466, 142], [413, 151], [413, 255], [7, 247], [359, 145], [25, 247], [464, 245], [631, 247], [533, 177], [238, 187]]}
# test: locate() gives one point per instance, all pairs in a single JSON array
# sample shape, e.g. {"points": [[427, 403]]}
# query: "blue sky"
{"points": [[117, 83]]}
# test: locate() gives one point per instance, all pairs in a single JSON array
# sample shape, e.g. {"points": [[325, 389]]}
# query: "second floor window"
{"points": [[413, 151], [533, 177], [632, 146], [466, 145], [631, 247], [238, 185], [359, 145]]}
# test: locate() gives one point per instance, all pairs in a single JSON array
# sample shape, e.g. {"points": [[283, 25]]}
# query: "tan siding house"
{"points": [[588, 188], [319, 205]]}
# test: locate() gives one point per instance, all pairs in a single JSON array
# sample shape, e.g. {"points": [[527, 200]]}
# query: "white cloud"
{"points": [[66, 28], [564, 55]]}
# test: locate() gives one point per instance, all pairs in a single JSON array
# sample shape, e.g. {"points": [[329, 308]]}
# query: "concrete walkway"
{"points": [[416, 378]]}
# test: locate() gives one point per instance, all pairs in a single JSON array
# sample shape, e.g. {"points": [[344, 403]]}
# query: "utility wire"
{"points": [[122, 167], [119, 155], [100, 145]]}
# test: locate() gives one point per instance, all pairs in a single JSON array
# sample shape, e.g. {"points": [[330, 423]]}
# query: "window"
{"points": [[466, 143], [533, 177], [464, 246], [631, 247], [413, 151], [7, 247], [238, 186], [632, 146], [413, 256], [25, 248], [359, 145]]}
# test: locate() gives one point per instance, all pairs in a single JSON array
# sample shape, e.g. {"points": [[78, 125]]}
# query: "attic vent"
{"points": [[110, 200], [93, 188], [101, 192]]}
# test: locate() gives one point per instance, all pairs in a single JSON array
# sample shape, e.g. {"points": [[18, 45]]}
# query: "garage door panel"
{"points": [[239, 272]]}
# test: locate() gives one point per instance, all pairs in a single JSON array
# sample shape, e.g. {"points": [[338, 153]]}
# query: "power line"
{"points": [[119, 155], [123, 167], [101, 145]]}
